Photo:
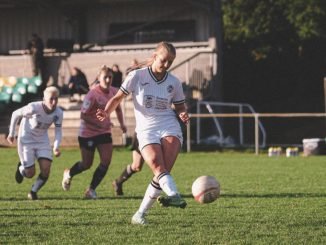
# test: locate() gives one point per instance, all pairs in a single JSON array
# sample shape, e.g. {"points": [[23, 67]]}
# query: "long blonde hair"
{"points": [[161, 46], [104, 68]]}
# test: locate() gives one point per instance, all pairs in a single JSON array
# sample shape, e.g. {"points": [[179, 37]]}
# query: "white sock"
{"points": [[40, 181], [21, 170], [167, 184], [151, 194]]}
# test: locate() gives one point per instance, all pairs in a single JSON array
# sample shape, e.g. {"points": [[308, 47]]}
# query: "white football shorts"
{"points": [[154, 135], [29, 152]]}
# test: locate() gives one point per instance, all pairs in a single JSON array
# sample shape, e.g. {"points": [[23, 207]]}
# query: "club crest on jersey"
{"points": [[169, 89], [148, 101], [86, 104]]}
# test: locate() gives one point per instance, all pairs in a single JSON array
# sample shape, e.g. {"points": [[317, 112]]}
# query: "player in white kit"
{"points": [[154, 92], [33, 141]]}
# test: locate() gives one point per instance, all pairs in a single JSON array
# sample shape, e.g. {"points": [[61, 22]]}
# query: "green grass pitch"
{"points": [[263, 201]]}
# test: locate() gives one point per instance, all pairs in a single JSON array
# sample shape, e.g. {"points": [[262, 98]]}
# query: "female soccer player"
{"points": [[130, 169], [95, 134], [33, 141], [137, 159], [154, 91]]}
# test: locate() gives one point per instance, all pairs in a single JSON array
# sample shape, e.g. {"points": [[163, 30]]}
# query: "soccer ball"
{"points": [[205, 189]]}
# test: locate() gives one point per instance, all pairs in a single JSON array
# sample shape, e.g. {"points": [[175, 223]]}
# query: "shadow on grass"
{"points": [[76, 198], [187, 195], [271, 195], [274, 195]]}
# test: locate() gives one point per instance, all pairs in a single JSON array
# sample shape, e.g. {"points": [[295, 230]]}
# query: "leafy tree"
{"points": [[275, 56], [272, 24]]}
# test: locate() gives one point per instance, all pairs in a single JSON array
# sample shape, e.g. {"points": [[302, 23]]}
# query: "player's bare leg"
{"points": [[45, 165]]}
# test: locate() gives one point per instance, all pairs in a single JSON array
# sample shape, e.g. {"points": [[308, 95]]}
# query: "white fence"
{"points": [[255, 116], [215, 107]]}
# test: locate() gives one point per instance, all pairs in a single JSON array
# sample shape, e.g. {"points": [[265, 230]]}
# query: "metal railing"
{"points": [[240, 107], [256, 117]]}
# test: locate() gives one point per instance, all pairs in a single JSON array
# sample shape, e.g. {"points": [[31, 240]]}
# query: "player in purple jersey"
{"points": [[95, 134]]}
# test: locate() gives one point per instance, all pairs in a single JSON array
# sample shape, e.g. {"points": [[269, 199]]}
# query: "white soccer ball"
{"points": [[205, 189]]}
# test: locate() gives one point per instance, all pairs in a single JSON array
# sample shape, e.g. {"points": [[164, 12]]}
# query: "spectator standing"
{"points": [[36, 49]]}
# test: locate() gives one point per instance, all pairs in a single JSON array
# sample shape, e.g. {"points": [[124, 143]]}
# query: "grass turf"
{"points": [[263, 201]]}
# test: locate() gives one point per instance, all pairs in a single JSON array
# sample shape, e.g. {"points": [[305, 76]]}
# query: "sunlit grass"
{"points": [[263, 200]]}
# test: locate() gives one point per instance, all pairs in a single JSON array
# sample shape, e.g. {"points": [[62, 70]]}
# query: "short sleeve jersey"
{"points": [[95, 99], [35, 123], [153, 98]]}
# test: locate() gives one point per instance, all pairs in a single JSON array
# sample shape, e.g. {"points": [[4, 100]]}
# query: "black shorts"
{"points": [[91, 143]]}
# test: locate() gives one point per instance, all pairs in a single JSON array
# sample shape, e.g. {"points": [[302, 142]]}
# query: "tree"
{"points": [[274, 55], [273, 43], [270, 25]]}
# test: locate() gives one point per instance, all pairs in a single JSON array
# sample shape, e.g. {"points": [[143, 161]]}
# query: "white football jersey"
{"points": [[153, 98], [35, 123]]}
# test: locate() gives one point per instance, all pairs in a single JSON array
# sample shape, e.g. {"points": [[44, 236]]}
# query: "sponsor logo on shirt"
{"points": [[148, 101], [161, 103]]}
